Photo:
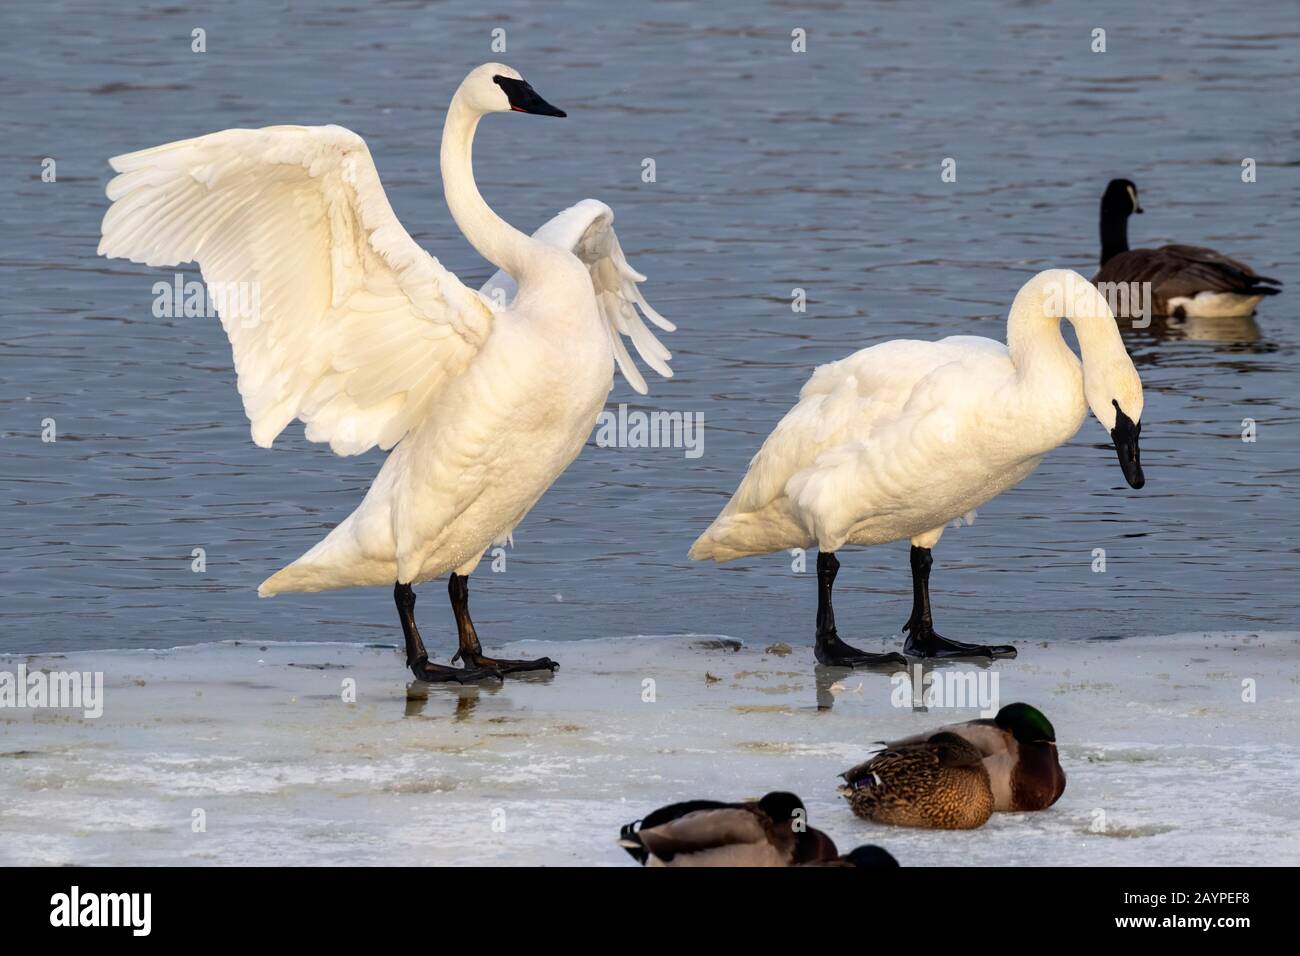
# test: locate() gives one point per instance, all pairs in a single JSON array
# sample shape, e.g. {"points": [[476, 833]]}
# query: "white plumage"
{"points": [[357, 327], [486, 397], [899, 439]]}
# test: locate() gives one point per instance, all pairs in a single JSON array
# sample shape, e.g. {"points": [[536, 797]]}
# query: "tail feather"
{"points": [[731, 537], [337, 561]]}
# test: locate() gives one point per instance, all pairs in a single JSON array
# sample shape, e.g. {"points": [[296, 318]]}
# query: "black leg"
{"points": [[417, 658], [471, 652], [922, 640], [830, 649]]}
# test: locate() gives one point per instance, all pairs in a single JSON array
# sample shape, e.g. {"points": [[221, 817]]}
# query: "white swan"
{"points": [[365, 337], [899, 439]]}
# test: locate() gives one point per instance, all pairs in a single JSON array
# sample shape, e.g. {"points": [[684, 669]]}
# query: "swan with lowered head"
{"points": [[899, 439], [1186, 281], [485, 397]]}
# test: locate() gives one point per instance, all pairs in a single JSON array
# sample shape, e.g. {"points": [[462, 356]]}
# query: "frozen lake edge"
{"points": [[1166, 760]]}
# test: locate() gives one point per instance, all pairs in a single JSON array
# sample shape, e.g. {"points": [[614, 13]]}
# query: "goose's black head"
{"points": [[524, 99], [1118, 202], [1120, 198]]}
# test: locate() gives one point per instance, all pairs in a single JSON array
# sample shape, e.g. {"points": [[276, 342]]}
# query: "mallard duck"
{"points": [[1186, 281], [939, 782], [1019, 748], [865, 857], [766, 832]]}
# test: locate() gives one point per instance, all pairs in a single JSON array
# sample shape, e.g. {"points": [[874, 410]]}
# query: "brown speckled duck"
{"points": [[939, 782], [767, 832], [1019, 748]]}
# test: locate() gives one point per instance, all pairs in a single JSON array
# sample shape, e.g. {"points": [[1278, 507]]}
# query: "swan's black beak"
{"points": [[1138, 210], [524, 99], [1125, 435]]}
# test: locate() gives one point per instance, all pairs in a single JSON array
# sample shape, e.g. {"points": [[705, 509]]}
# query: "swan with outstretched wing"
{"points": [[338, 318]]}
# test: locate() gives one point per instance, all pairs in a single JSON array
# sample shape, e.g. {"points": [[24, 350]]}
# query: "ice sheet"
{"points": [[1167, 763]]}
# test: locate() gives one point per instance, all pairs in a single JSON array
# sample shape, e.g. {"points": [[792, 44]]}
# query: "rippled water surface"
{"points": [[775, 170]]}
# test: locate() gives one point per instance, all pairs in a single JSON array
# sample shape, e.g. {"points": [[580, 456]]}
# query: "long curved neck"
{"points": [[495, 239], [1038, 349], [1034, 339], [1114, 233]]}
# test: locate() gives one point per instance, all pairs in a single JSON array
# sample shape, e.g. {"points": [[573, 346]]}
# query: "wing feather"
{"points": [[1178, 271], [587, 230], [703, 830], [354, 327]]}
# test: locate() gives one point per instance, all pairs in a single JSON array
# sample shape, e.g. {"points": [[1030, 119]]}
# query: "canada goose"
{"points": [[897, 440], [939, 783], [484, 399], [1019, 750], [1186, 281], [772, 831]]}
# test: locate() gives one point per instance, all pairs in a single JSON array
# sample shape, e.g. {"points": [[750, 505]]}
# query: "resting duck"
{"points": [[939, 783], [1019, 749], [1186, 281], [766, 832], [865, 857]]}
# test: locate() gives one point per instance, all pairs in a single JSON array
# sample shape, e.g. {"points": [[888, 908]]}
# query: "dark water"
{"points": [[775, 170]]}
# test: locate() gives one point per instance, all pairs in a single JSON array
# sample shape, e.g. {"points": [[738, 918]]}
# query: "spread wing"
{"points": [[587, 230], [335, 315]]}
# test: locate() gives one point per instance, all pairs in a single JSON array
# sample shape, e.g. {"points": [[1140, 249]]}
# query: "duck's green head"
{"points": [[1027, 724]]}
